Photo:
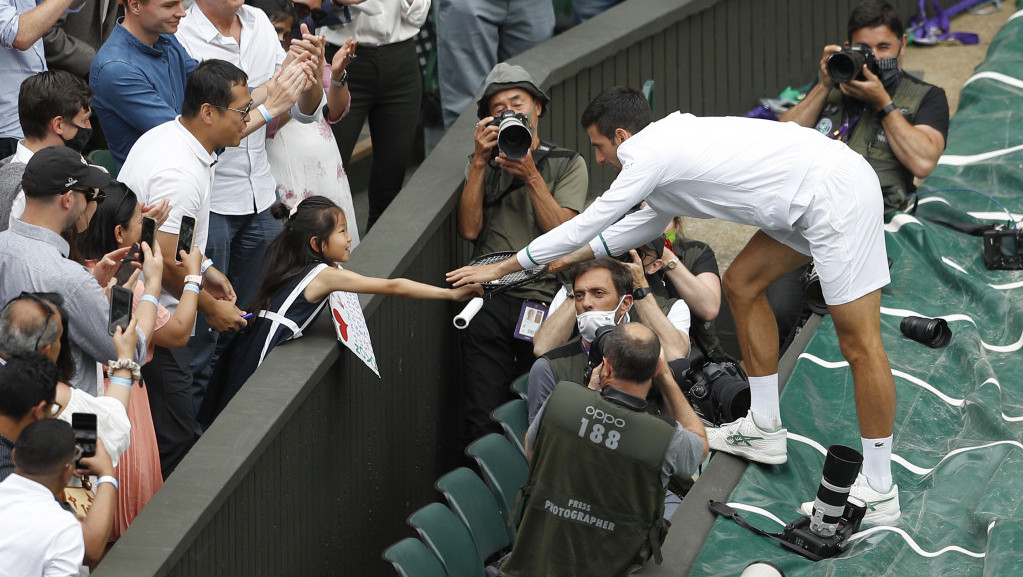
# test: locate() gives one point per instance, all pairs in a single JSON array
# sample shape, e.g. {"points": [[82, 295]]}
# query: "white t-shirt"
{"points": [[39, 537], [380, 22], [243, 182], [750, 171], [169, 162], [112, 424]]}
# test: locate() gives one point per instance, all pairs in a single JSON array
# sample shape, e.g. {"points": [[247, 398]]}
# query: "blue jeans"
{"points": [[473, 36], [583, 10], [237, 244]]}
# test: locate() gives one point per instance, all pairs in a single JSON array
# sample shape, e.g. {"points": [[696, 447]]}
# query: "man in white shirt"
{"points": [[49, 540], [810, 196], [240, 226], [175, 161]]}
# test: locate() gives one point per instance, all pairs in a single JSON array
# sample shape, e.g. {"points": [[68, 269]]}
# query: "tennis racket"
{"points": [[498, 286]]}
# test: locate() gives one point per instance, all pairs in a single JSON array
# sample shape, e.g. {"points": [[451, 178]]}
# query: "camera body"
{"points": [[513, 136], [798, 537], [718, 392], [1003, 249], [847, 64]]}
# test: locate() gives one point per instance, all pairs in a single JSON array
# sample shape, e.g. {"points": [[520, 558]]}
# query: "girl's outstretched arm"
{"points": [[334, 279]]}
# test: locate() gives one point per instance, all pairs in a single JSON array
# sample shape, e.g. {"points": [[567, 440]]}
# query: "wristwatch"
{"points": [[671, 264], [193, 278], [340, 83], [888, 109], [641, 292]]}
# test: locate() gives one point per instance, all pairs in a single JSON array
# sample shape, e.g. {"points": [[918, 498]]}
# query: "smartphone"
{"points": [[148, 235], [120, 308], [127, 267], [84, 426], [186, 234]]}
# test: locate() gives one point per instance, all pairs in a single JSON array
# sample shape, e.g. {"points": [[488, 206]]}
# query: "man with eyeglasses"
{"points": [[62, 191], [241, 226]]}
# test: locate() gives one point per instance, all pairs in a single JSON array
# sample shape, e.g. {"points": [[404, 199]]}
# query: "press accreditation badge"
{"points": [[530, 317]]}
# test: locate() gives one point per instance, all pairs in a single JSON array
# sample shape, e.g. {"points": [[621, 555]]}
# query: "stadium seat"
{"points": [[506, 471], [473, 502], [514, 419], [411, 558], [102, 157], [449, 539], [521, 386]]}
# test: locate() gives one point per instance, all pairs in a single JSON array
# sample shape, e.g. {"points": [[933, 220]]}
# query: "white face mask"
{"points": [[589, 321]]}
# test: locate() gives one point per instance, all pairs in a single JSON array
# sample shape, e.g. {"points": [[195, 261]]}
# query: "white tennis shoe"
{"points": [[745, 439], [882, 508]]}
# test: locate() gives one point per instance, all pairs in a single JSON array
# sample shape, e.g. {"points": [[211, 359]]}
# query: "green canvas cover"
{"points": [[958, 457]]}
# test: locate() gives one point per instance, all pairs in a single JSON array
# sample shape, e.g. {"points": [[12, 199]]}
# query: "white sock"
{"points": [[764, 402], [877, 462]]}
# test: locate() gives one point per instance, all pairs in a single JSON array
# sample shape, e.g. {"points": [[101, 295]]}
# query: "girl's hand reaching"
{"points": [[464, 293]]}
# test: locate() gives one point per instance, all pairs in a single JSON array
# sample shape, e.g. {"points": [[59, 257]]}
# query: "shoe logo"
{"points": [[872, 505], [879, 444], [740, 439]]}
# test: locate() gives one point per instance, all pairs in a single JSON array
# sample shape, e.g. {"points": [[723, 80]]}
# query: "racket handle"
{"points": [[465, 317]]}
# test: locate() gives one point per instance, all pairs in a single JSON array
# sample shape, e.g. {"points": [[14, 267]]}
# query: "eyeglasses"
{"points": [[304, 11], [244, 113], [92, 194]]}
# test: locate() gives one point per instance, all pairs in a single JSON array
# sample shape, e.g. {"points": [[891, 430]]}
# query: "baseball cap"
{"points": [[505, 76], [57, 169]]}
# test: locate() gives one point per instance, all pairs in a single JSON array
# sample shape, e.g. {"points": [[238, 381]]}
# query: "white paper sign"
{"points": [[350, 325]]}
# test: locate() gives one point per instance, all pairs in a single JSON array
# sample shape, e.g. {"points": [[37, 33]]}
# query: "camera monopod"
{"points": [[836, 515]]}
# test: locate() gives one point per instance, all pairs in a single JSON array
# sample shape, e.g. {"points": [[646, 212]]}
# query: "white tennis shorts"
{"points": [[842, 229]]}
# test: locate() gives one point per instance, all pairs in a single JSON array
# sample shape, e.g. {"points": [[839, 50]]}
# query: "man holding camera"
{"points": [[507, 202], [604, 292], [600, 464], [896, 121]]}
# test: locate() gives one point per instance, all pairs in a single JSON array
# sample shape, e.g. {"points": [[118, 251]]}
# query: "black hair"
{"points": [[621, 278], [291, 253], [25, 380], [118, 209], [44, 447], [632, 350], [211, 83], [47, 95], [874, 13], [618, 107], [275, 9]]}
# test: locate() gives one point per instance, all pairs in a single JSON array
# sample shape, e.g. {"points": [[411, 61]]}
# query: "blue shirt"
{"points": [[136, 86], [15, 65]]}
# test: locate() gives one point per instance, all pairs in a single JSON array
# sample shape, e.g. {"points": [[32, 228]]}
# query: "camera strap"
{"points": [[721, 509]]}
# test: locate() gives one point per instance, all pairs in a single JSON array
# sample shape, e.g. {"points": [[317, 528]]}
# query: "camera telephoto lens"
{"points": [[844, 66], [841, 466], [513, 138]]}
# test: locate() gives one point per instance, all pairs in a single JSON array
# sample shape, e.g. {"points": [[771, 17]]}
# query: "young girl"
{"points": [[301, 273]]}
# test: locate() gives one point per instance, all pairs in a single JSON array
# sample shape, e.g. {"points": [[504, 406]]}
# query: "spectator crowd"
{"points": [[191, 160]]}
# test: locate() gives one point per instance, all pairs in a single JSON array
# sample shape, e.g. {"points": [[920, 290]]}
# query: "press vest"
{"points": [[868, 138], [594, 498]]}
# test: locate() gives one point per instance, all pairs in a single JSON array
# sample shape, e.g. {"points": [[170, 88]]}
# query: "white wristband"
{"points": [[107, 479], [266, 113]]}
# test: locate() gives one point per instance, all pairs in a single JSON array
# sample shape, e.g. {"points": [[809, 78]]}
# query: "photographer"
{"points": [[595, 494], [505, 203], [604, 292], [896, 121]]}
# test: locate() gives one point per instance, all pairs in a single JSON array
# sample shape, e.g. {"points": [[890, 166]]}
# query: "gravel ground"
{"points": [[947, 66]]}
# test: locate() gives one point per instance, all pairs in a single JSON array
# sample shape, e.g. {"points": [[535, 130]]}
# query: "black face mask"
{"points": [[890, 73], [79, 140]]}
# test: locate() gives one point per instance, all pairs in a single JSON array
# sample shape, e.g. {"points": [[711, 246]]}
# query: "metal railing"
{"points": [[315, 465]]}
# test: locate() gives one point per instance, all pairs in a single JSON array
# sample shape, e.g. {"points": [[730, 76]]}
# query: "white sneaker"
{"points": [[882, 508], [745, 439]]}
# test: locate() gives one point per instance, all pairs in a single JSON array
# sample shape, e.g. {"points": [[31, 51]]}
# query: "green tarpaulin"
{"points": [[959, 424]]}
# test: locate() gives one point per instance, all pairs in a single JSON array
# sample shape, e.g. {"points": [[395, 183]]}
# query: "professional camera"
{"points": [[848, 64], [1003, 249], [513, 135], [718, 392]]}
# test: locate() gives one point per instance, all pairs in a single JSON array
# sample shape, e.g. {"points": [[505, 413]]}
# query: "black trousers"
{"points": [[491, 359], [168, 381], [386, 87], [8, 146]]}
